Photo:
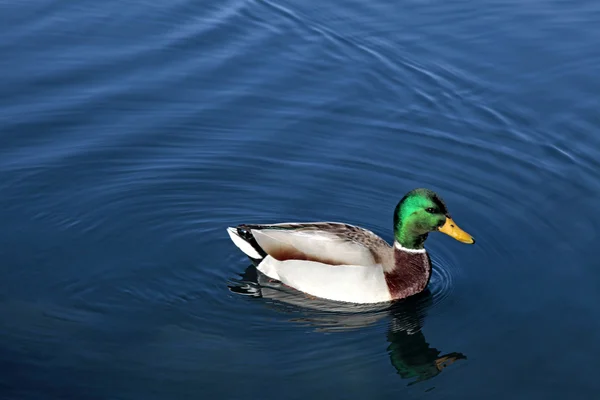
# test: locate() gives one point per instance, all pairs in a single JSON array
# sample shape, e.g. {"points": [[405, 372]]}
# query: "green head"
{"points": [[422, 211]]}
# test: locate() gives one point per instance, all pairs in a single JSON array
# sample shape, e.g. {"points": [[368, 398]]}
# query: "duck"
{"points": [[346, 263]]}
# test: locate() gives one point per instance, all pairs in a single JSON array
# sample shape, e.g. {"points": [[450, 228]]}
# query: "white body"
{"points": [[359, 281], [350, 283]]}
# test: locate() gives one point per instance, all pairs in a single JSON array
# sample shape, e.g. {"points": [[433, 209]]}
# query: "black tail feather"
{"points": [[245, 232]]}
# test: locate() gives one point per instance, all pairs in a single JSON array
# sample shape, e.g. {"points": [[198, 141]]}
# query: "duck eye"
{"points": [[430, 210]]}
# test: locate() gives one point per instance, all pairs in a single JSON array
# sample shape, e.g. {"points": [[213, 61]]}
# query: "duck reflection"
{"points": [[410, 353]]}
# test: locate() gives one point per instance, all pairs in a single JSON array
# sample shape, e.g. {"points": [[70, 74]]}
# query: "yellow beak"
{"points": [[451, 229]]}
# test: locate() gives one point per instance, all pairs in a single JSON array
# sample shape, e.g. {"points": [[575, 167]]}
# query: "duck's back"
{"points": [[327, 242]]}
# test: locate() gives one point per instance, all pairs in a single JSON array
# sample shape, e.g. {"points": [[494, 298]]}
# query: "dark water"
{"points": [[134, 132]]}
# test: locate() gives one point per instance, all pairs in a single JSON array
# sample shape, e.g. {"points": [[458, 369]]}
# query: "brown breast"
{"points": [[410, 275]]}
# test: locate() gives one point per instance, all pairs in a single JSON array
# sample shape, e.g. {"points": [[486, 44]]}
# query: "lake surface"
{"points": [[133, 133]]}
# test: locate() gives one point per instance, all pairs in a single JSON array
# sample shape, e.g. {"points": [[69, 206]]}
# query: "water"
{"points": [[134, 132]]}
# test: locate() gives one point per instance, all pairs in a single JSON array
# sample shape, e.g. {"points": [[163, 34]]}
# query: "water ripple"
{"points": [[128, 148]]}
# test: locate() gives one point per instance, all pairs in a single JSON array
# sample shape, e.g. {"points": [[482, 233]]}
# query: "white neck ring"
{"points": [[407, 250]]}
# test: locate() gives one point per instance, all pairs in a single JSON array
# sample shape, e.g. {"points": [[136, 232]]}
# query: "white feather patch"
{"points": [[349, 283], [242, 244]]}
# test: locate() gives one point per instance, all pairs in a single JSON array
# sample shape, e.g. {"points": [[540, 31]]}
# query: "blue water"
{"points": [[133, 133]]}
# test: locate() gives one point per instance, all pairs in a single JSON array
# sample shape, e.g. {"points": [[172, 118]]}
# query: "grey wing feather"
{"points": [[328, 242]]}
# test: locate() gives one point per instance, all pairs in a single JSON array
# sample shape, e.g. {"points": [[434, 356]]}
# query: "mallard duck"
{"points": [[342, 262]]}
